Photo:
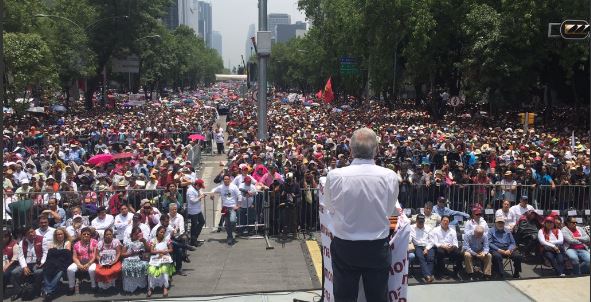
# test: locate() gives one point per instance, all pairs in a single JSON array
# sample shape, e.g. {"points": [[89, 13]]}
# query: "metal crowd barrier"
{"points": [[295, 215], [464, 197]]}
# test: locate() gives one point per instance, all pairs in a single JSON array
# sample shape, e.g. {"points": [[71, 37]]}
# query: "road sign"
{"points": [[574, 29], [455, 101], [129, 64]]}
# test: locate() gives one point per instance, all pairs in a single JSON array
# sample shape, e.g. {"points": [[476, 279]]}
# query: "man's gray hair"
{"points": [[479, 229], [364, 144]]}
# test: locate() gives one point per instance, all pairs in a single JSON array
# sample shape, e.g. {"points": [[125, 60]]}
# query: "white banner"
{"points": [[398, 282]]}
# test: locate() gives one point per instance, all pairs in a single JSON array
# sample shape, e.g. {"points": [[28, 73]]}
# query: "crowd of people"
{"points": [[516, 232], [115, 189]]}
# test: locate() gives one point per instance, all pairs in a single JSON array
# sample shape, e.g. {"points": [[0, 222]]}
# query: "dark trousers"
{"points": [[351, 260], [497, 262], [230, 221], [454, 256], [8, 273], [18, 275], [220, 148], [557, 261], [179, 250], [197, 223], [427, 261]]}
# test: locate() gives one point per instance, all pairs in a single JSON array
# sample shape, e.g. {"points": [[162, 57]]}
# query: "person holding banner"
{"points": [[360, 198]]}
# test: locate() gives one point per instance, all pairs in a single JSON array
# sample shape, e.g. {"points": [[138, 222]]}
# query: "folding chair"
{"points": [[507, 262]]}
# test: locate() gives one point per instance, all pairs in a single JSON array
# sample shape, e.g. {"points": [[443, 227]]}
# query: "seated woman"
{"points": [[60, 253], [161, 266], [9, 256], [576, 243], [108, 268], [551, 240], [84, 256], [135, 267]]}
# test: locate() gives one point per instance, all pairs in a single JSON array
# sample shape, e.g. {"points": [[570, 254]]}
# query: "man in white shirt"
{"points": [[431, 219], [247, 211], [475, 221], [230, 195], [424, 252], [44, 229], [122, 221], [446, 241], [219, 140], [179, 238], [508, 186], [32, 251], [137, 222], [194, 211], [238, 180], [102, 221], [520, 208], [360, 198], [508, 216]]}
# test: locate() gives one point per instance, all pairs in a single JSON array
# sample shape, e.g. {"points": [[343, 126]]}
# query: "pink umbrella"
{"points": [[196, 137], [123, 155], [100, 159]]}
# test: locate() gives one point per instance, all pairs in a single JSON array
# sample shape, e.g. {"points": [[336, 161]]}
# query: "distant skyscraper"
{"points": [[286, 32], [274, 19], [205, 22], [248, 44], [216, 42], [193, 13]]}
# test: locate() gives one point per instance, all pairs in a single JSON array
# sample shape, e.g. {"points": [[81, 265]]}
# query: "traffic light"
{"points": [[530, 118], [574, 29]]}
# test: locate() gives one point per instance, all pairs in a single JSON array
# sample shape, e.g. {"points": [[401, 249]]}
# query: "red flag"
{"points": [[328, 93], [319, 94]]}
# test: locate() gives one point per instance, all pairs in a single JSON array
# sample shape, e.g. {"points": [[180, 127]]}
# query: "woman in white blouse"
{"points": [[552, 244]]}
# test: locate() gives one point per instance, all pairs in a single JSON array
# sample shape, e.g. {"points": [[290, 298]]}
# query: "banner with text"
{"points": [[398, 281]]}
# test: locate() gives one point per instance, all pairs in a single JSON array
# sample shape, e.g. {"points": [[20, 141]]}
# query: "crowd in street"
{"points": [[108, 195]]}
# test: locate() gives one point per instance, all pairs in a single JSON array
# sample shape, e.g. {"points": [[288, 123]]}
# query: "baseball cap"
{"points": [[200, 182], [500, 219], [420, 217]]}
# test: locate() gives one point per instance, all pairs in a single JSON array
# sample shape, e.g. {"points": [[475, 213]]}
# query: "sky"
{"points": [[232, 18]]}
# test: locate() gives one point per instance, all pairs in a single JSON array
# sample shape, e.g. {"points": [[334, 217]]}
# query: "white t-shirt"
{"points": [[121, 223], [518, 210], [229, 194], [193, 201]]}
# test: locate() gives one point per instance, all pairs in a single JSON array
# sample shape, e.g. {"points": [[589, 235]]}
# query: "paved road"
{"points": [[216, 268]]}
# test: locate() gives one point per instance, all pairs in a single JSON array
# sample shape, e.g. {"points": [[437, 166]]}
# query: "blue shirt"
{"points": [[500, 240], [475, 245], [445, 211]]}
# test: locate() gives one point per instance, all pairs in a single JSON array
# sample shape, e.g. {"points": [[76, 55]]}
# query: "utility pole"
{"points": [[2, 99], [262, 131]]}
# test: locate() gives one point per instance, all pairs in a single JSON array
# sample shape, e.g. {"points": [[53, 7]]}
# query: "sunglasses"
{"points": [[147, 208]]}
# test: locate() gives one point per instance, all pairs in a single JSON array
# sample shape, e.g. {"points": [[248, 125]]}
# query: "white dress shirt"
{"points": [[167, 233], [518, 210], [121, 223], [441, 237], [193, 201], [47, 234], [178, 224], [470, 225], [31, 256], [421, 237], [100, 225], [510, 219], [360, 198]]}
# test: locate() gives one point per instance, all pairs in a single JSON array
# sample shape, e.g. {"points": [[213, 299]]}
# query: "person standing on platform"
{"points": [[360, 198]]}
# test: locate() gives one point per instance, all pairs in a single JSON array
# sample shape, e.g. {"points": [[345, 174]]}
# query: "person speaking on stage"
{"points": [[360, 198]]}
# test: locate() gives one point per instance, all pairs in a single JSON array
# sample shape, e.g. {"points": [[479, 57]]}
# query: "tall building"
{"points": [[274, 19], [248, 48], [205, 22], [216, 42], [286, 32], [193, 13]]}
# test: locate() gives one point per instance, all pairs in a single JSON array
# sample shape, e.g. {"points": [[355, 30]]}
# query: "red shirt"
{"points": [[576, 246]]}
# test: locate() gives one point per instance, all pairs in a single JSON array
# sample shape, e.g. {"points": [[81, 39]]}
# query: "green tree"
{"points": [[28, 66]]}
